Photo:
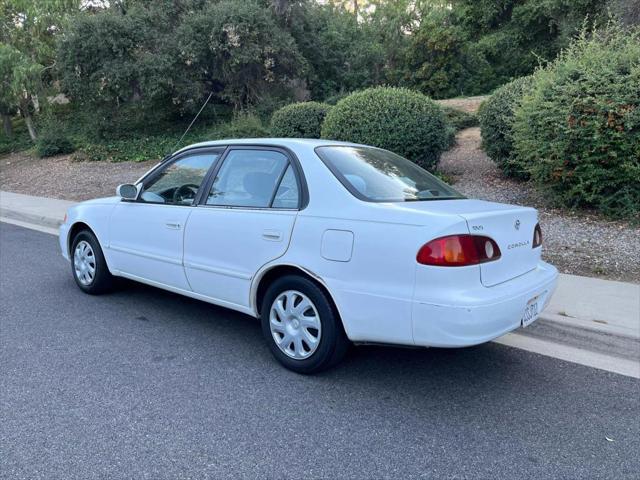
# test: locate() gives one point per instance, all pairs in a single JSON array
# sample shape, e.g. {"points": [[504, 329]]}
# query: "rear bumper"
{"points": [[479, 318]]}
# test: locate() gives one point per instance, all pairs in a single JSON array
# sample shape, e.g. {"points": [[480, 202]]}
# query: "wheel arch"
{"points": [[273, 272], [76, 228]]}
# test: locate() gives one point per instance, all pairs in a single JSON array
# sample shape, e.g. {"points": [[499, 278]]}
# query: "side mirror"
{"points": [[127, 191]]}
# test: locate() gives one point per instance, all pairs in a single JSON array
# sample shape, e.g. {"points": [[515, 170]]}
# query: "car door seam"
{"points": [[184, 241]]}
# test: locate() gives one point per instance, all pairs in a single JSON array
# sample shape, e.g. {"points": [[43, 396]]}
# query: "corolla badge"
{"points": [[517, 225]]}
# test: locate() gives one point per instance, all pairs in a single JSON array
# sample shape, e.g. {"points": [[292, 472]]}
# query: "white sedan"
{"points": [[325, 242]]}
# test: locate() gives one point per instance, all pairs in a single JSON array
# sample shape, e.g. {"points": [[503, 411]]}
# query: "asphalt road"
{"points": [[146, 384]]}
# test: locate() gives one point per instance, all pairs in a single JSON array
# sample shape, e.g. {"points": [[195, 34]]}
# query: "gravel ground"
{"points": [[60, 177], [576, 242]]}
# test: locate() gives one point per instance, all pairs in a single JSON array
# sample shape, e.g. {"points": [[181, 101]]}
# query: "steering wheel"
{"points": [[185, 192]]}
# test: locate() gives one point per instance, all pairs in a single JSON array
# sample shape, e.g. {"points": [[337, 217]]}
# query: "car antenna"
{"points": [[189, 127]]}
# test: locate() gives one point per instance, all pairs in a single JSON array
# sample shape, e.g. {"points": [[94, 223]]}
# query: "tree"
{"points": [[434, 61], [237, 50], [512, 37], [28, 32], [112, 58], [19, 77], [342, 54]]}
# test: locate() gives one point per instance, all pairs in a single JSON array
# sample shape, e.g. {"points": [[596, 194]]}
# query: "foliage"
{"points": [[509, 39], [497, 116], [396, 119], [27, 37], [18, 141], [236, 49], [434, 61], [111, 59], [156, 146], [578, 132], [459, 119], [243, 125], [342, 54], [53, 142], [299, 120]]}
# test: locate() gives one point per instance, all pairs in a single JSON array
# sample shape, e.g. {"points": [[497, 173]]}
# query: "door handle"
{"points": [[272, 235], [173, 225]]}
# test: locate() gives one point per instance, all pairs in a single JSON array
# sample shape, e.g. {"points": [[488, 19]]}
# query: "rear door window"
{"points": [[254, 178]]}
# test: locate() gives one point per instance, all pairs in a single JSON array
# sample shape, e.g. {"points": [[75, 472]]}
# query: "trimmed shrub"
{"points": [[578, 131], [299, 120], [496, 116], [406, 122], [53, 142]]}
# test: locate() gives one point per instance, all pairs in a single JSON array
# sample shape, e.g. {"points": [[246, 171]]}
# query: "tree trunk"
{"points": [[28, 121], [6, 123]]}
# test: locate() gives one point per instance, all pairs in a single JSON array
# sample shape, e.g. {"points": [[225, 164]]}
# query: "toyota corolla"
{"points": [[327, 243]]}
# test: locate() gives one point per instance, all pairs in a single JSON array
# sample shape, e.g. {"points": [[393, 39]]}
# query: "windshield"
{"points": [[378, 175]]}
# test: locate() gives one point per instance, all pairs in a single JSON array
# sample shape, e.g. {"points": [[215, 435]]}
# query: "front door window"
{"points": [[179, 181]]}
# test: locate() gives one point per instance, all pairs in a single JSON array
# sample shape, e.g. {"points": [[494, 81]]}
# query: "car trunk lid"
{"points": [[512, 229], [510, 226]]}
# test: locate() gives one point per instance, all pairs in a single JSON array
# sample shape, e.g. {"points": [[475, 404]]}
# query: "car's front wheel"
{"points": [[301, 325], [88, 266]]}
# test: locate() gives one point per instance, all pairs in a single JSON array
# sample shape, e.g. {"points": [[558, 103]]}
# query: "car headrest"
{"points": [[258, 185]]}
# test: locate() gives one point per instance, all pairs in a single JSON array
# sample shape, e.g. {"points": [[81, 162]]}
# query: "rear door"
{"points": [[244, 221]]}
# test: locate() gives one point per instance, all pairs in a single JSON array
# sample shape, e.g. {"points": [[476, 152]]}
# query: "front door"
{"points": [[245, 220], [146, 235]]}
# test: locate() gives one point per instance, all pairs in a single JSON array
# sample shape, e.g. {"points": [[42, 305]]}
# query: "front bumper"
{"points": [[63, 238], [480, 318]]}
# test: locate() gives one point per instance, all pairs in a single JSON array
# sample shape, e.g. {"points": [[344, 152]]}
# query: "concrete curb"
{"points": [[579, 324], [31, 218], [41, 211]]}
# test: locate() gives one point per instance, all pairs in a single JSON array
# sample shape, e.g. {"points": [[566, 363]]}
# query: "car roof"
{"points": [[291, 143]]}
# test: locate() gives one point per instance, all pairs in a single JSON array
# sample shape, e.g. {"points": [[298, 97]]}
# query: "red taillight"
{"points": [[458, 251], [537, 236]]}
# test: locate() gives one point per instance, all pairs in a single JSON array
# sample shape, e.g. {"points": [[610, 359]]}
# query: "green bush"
{"points": [[299, 120], [18, 141], [496, 116], [53, 142], [244, 125], [578, 132], [459, 119], [397, 119], [141, 148]]}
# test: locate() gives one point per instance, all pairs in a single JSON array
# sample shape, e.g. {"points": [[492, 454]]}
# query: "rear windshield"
{"points": [[377, 175]]}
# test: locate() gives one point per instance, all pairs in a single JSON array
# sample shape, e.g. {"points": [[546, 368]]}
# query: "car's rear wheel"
{"points": [[88, 266], [301, 326]]}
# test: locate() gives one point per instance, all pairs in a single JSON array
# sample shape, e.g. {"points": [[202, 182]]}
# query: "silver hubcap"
{"points": [[295, 324], [84, 263]]}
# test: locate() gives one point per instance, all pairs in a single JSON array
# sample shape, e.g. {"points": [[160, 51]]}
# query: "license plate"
{"points": [[531, 312]]}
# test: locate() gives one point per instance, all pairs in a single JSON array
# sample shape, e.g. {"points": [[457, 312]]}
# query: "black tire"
{"points": [[333, 343], [102, 281]]}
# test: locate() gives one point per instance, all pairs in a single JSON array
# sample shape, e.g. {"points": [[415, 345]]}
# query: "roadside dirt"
{"points": [[60, 177]]}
